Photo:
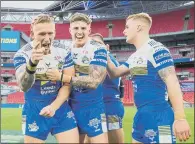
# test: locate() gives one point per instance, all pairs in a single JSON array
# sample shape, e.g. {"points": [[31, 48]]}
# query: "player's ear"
{"points": [[90, 30], [32, 35], [139, 28]]}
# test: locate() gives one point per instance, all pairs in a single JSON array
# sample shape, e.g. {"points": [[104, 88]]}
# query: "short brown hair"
{"points": [[41, 18], [142, 16], [80, 17]]}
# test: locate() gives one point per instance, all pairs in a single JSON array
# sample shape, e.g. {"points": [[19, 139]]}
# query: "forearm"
{"points": [[63, 95], [85, 82], [25, 80], [175, 96], [112, 70], [168, 75]]}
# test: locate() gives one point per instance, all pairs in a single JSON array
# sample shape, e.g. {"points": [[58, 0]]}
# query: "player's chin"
{"points": [[81, 42]]}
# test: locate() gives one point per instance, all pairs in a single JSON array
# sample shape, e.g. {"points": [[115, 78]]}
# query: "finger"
{"points": [[36, 44], [42, 112], [179, 136], [41, 50], [187, 134], [190, 133], [184, 136]]}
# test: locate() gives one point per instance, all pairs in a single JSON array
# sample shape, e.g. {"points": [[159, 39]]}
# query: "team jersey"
{"points": [[43, 88], [111, 90], [144, 65], [92, 53]]}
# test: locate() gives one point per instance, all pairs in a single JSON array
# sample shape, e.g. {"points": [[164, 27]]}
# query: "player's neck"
{"points": [[140, 41], [80, 45]]}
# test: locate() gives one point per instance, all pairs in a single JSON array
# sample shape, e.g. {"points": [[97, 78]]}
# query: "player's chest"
{"points": [[138, 64], [81, 56]]}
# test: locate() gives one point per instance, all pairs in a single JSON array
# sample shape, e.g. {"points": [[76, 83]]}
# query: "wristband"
{"points": [[32, 64], [62, 74], [29, 71]]}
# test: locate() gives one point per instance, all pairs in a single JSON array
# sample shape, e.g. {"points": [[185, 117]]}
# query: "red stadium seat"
{"points": [[17, 97], [189, 97], [162, 23], [168, 22]]}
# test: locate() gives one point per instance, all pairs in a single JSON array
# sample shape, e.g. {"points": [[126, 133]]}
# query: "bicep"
{"points": [[97, 72], [167, 73]]}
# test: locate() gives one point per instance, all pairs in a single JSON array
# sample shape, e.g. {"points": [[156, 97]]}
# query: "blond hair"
{"points": [[80, 17], [41, 18], [141, 16], [97, 35]]}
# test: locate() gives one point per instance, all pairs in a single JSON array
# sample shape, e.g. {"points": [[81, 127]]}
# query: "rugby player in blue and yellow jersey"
{"points": [[86, 99], [41, 95], [154, 80], [112, 95]]}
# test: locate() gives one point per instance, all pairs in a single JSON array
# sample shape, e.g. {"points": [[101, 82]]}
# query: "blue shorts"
{"points": [[91, 120], [39, 126], [114, 114], [154, 126]]}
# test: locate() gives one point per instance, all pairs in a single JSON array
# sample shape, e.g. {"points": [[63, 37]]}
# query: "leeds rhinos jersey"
{"points": [[44, 89], [92, 53], [111, 90], [144, 65]]}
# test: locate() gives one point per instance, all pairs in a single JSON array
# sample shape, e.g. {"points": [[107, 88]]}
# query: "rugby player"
{"points": [[112, 95], [86, 100], [154, 79], [31, 63]]}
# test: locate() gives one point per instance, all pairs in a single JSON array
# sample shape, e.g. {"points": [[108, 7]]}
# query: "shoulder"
{"points": [[25, 51], [61, 46], [97, 45], [155, 47]]}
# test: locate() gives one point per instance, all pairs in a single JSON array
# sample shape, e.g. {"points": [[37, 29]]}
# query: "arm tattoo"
{"points": [[95, 77], [165, 72], [24, 79]]}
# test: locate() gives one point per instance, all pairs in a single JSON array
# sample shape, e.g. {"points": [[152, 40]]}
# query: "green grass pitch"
{"points": [[11, 120]]}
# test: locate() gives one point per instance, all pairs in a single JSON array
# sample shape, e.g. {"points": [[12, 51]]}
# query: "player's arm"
{"points": [[96, 76], [63, 94], [97, 71], [26, 67], [25, 77], [168, 75], [163, 62], [115, 72]]}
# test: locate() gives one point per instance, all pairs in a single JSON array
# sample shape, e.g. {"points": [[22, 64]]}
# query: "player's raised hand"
{"points": [[47, 111], [53, 74], [181, 129], [37, 52]]}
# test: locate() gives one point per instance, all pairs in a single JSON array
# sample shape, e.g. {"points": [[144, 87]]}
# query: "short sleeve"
{"points": [[68, 61], [22, 56], [161, 58], [113, 60], [100, 57], [127, 63]]}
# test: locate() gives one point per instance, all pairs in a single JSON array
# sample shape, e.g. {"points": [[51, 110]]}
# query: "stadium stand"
{"points": [[162, 23], [188, 97], [171, 22], [17, 97]]}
